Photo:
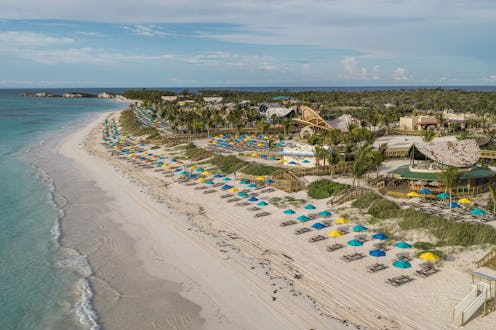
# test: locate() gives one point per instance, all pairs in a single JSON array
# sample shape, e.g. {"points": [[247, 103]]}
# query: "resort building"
{"points": [[417, 123], [280, 112], [169, 98], [428, 160], [299, 155], [212, 99]]}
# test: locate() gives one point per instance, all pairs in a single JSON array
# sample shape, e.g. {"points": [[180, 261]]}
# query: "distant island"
{"points": [[103, 95]]}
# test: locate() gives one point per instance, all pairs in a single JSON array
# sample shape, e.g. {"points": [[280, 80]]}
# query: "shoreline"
{"points": [[232, 256]]}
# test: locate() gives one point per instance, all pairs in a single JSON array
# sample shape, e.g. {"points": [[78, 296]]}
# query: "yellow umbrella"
{"points": [[335, 233], [413, 194], [192, 167], [206, 173], [260, 178], [281, 160], [341, 220], [233, 190], [429, 256], [464, 201], [164, 165], [201, 180], [254, 154]]}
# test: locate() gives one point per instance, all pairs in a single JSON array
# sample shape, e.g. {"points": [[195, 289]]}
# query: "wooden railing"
{"points": [[348, 194], [323, 170], [490, 257]]}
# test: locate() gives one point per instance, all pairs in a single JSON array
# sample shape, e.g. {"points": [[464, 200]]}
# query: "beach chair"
{"points": [[288, 223], [326, 223], [201, 188], [403, 258], [209, 191], [234, 199], [226, 196], [399, 280], [426, 270], [353, 256], [302, 231], [334, 247], [191, 183], [261, 214], [317, 238], [253, 208], [376, 267], [242, 204]]}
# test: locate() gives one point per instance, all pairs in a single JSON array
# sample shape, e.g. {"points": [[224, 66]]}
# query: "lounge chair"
{"points": [[353, 256], [334, 247], [403, 258], [399, 280], [261, 214], [317, 238], [288, 223], [376, 267], [209, 191], [218, 184], [253, 208], [191, 183], [242, 204], [302, 230], [426, 271], [200, 188], [234, 199], [226, 196], [327, 223]]}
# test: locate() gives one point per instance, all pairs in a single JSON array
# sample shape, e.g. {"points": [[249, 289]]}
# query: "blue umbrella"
{"points": [[402, 264], [318, 226], [178, 170], [242, 194], [380, 236], [477, 211], [309, 207], [425, 191], [443, 195], [303, 218], [192, 176], [359, 228], [217, 176], [262, 203], [226, 186], [292, 163], [325, 214], [403, 245], [252, 199], [173, 160], [269, 181], [377, 253], [454, 205]]}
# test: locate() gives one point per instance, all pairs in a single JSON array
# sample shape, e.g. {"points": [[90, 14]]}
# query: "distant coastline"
{"points": [[72, 95]]}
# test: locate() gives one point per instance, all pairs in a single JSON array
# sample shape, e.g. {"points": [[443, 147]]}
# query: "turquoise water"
{"points": [[36, 290]]}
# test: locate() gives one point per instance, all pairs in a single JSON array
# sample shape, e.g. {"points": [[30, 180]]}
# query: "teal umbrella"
{"points": [[309, 207], [242, 194], [325, 214], [359, 228], [443, 195], [243, 182], [209, 182], [403, 245], [262, 203], [252, 185], [226, 179], [477, 212], [402, 264], [355, 242], [303, 218], [289, 211]]}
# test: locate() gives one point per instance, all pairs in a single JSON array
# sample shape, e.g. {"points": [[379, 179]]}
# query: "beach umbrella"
{"points": [[252, 185], [233, 190], [377, 253], [477, 211], [464, 200], [413, 194], [226, 179], [260, 178], [184, 173], [402, 264], [209, 182], [243, 182], [192, 167], [355, 243], [335, 234], [289, 211], [269, 181], [199, 169], [425, 191], [272, 158], [306, 161], [254, 154], [178, 170], [218, 176], [242, 194], [303, 218], [359, 228], [325, 214], [206, 173], [443, 195], [309, 207], [318, 226], [281, 160], [380, 236], [252, 199], [453, 205], [226, 186], [403, 245], [292, 163], [262, 203], [192, 176], [201, 180], [429, 256], [341, 220]]}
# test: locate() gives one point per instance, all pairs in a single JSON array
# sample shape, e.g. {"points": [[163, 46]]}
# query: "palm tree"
{"points": [[362, 163], [492, 196], [428, 136], [334, 158], [449, 177]]}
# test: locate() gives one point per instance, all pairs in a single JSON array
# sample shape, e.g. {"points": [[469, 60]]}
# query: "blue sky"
{"points": [[189, 43]]}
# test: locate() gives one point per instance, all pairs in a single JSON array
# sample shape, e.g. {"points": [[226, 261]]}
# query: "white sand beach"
{"points": [[176, 258]]}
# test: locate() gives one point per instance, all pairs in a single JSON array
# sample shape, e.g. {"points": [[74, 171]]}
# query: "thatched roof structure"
{"points": [[464, 153]]}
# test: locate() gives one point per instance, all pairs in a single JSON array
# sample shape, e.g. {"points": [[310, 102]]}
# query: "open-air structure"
{"points": [[428, 160], [312, 122]]}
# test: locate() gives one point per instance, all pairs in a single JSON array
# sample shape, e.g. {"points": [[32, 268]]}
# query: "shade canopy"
{"points": [[242, 194], [341, 220], [303, 218], [260, 178], [289, 211], [318, 226], [413, 194], [262, 203], [425, 191], [217, 176], [252, 199], [335, 233], [429, 256], [464, 200], [233, 190], [402, 264], [309, 207], [443, 195], [226, 186], [477, 212], [380, 236], [403, 245], [269, 181], [325, 214], [226, 179], [355, 242], [377, 253], [252, 185], [359, 228], [453, 205]]}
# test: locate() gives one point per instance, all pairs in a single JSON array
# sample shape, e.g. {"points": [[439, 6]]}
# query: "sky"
{"points": [[224, 43]]}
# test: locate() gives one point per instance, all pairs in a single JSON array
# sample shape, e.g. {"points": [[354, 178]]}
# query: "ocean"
{"points": [[42, 284]]}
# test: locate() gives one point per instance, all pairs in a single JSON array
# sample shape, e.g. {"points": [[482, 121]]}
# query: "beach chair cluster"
{"points": [[399, 280]]}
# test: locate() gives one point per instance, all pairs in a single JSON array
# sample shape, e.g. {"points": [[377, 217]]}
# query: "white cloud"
{"points": [[353, 71], [400, 74], [30, 39], [91, 34], [376, 72], [146, 30], [492, 78]]}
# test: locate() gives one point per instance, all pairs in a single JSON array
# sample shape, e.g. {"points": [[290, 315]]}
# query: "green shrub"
{"points": [[324, 188], [423, 246], [155, 147], [365, 201], [383, 209]]}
